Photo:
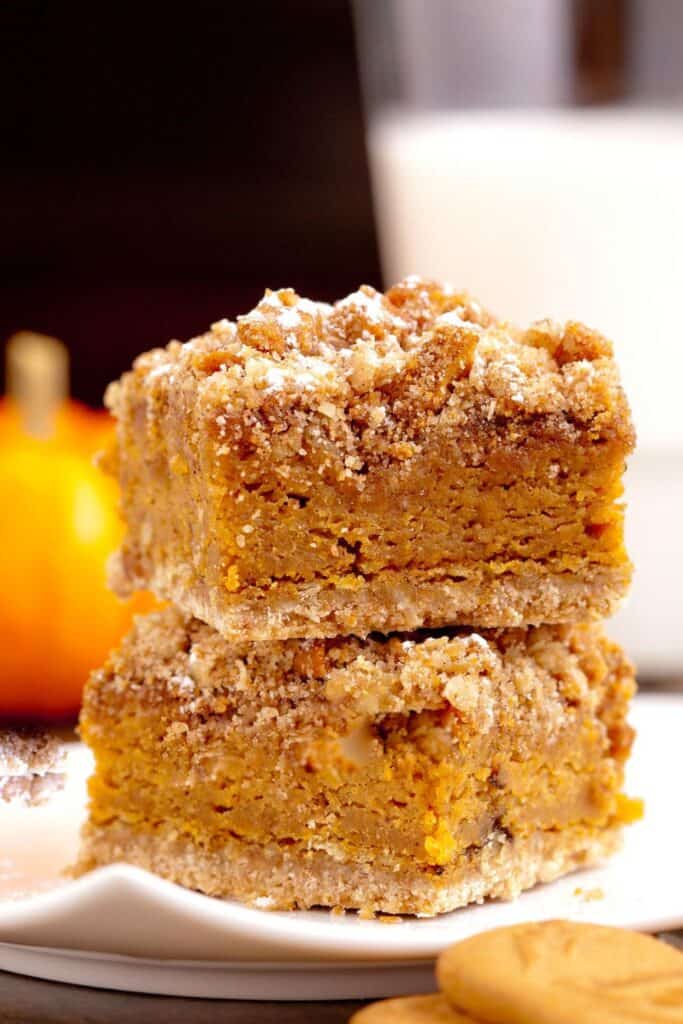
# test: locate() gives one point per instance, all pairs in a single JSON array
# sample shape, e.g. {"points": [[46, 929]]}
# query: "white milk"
{"points": [[570, 214]]}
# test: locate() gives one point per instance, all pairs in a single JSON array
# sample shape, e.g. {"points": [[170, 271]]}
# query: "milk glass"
{"points": [[532, 152]]}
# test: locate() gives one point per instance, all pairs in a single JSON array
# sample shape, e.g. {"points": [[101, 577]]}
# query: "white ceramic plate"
{"points": [[213, 980], [120, 927]]}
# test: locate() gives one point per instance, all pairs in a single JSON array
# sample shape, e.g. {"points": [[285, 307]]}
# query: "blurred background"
{"points": [[162, 165]]}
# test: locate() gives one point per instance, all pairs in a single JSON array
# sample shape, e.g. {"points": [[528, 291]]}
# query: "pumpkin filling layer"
{"points": [[406, 774], [390, 462]]}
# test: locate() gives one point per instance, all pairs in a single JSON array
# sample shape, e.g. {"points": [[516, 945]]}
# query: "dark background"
{"points": [[162, 164]]}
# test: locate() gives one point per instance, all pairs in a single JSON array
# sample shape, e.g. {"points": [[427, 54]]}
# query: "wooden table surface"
{"points": [[27, 1001]]}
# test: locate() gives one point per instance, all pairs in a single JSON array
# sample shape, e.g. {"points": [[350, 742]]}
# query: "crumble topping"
{"points": [[373, 357], [539, 674]]}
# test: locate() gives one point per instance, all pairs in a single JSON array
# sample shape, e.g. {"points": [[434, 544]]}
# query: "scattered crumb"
{"points": [[264, 903], [31, 766], [589, 895]]}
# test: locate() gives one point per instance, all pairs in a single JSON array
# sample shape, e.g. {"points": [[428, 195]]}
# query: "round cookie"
{"points": [[433, 1009], [562, 972]]}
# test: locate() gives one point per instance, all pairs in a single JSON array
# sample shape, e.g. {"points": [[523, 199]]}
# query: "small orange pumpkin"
{"points": [[58, 525]]}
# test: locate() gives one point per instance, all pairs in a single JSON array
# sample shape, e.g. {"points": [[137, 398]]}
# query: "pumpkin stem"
{"points": [[37, 369]]}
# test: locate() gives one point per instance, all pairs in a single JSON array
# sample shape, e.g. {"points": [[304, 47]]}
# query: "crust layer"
{"points": [[395, 601], [276, 879]]}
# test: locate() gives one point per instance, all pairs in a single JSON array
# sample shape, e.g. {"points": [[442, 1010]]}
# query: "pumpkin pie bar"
{"points": [[413, 773], [392, 462]]}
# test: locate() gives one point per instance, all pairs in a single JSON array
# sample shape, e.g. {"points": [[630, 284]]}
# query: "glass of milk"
{"points": [[532, 152]]}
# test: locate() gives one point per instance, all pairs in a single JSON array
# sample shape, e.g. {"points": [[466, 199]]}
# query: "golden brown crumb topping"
{"points": [[545, 672], [375, 359]]}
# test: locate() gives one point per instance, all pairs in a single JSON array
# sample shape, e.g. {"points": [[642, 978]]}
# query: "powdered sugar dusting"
{"points": [[371, 305], [421, 343], [275, 378], [453, 319], [289, 318], [159, 371]]}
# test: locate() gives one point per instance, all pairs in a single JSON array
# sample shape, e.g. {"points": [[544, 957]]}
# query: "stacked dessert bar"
{"points": [[387, 529]]}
